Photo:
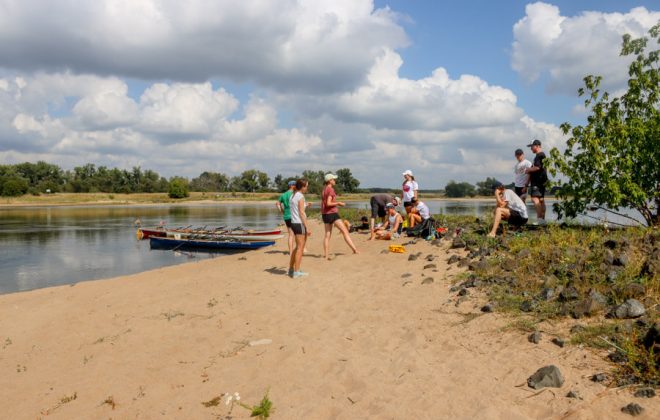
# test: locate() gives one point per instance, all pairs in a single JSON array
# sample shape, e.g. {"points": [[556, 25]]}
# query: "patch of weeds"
{"points": [[8, 343], [64, 400], [467, 317], [641, 364], [262, 410], [211, 303], [591, 335], [170, 315], [523, 324]]}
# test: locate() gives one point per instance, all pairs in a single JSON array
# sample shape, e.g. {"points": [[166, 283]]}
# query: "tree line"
{"points": [[42, 177]]}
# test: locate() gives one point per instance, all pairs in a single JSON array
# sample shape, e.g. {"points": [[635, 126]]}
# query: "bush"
{"points": [[178, 188], [13, 186]]}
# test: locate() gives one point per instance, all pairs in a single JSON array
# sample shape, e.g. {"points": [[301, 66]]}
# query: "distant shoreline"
{"points": [[158, 199]]}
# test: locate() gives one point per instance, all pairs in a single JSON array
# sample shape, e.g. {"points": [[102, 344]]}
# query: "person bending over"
{"points": [[509, 207], [378, 204]]}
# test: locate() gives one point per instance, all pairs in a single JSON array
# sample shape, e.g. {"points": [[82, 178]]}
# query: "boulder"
{"points": [[621, 260], [569, 293], [534, 337], [454, 258], [457, 242], [634, 290], [585, 308], [631, 308], [645, 393], [633, 409], [487, 308], [548, 376]]}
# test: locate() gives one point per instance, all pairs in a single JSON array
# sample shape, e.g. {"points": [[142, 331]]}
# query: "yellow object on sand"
{"points": [[397, 248]]}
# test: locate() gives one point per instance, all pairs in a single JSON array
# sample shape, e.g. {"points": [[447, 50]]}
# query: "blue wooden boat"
{"points": [[192, 244]]}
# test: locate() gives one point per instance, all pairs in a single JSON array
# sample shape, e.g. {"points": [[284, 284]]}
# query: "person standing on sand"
{"points": [[509, 207], [409, 189], [299, 227], [521, 177], [378, 203], [538, 176], [282, 205], [330, 214]]}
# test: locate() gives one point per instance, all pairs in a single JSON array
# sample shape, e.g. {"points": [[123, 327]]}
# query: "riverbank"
{"points": [[106, 199], [372, 335]]}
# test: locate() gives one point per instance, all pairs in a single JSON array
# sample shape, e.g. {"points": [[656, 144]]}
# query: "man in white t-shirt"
{"points": [[521, 177], [509, 207]]}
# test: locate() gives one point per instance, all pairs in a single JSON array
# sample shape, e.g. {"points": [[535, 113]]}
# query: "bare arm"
{"points": [[499, 199], [303, 216], [330, 202], [397, 223]]}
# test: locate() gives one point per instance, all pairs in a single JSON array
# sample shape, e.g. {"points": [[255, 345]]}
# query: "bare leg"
{"points": [[347, 236], [539, 205], [414, 219], [326, 240], [292, 240], [500, 213], [372, 231], [297, 256], [542, 200]]}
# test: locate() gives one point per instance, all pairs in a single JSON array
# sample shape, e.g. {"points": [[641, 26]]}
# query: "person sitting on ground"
{"points": [[356, 227], [418, 213], [392, 226], [378, 203], [509, 207]]}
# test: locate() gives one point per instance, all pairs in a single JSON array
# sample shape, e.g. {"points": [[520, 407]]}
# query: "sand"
{"points": [[353, 340]]}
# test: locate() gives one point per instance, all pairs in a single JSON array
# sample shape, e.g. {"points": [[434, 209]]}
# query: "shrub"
{"points": [[178, 188]]}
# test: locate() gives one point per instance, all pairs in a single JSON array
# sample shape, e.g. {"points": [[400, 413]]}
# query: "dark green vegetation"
{"points": [[565, 272], [614, 160], [41, 177]]}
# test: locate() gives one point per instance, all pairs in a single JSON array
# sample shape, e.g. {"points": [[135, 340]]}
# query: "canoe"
{"points": [[191, 244], [148, 232], [224, 237]]}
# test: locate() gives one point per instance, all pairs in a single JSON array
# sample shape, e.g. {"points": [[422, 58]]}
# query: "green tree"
{"points": [[251, 180], [316, 180], [486, 187], [13, 185], [459, 189], [178, 188], [614, 160], [346, 182], [210, 182]]}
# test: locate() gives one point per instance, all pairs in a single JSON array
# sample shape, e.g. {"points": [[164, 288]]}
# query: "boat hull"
{"points": [[146, 233], [191, 244]]}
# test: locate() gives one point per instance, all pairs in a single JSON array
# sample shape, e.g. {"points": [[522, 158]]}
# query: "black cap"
{"points": [[497, 184], [519, 152], [534, 143]]}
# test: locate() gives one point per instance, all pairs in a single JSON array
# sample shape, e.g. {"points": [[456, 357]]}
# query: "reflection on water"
{"points": [[47, 246]]}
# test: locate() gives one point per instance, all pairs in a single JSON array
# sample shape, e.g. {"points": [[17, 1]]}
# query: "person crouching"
{"points": [[509, 207]]}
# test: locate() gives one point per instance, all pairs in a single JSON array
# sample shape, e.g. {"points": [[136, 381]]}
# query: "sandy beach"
{"points": [[363, 336]]}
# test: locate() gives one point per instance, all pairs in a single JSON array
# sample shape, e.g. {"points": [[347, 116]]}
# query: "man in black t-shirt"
{"points": [[538, 176]]}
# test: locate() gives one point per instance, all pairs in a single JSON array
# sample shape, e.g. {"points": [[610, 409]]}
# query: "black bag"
{"points": [[423, 230]]}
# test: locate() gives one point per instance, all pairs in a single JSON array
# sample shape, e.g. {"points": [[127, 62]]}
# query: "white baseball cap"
{"points": [[328, 177], [407, 172]]}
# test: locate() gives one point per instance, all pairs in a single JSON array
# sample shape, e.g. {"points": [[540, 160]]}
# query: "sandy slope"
{"points": [[353, 340]]}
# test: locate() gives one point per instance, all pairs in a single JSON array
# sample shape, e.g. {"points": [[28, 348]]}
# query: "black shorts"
{"points": [[537, 191], [376, 209], [515, 218], [330, 218], [298, 228], [519, 191], [287, 222]]}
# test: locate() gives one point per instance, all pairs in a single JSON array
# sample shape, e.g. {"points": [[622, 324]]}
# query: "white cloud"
{"points": [[566, 49], [307, 45]]}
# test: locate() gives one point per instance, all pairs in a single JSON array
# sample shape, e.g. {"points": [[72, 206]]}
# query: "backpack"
{"points": [[425, 230]]}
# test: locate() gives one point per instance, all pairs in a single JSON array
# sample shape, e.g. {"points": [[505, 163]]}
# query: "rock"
{"points": [[569, 293], [599, 377], [454, 258], [385, 251], [478, 266], [631, 308], [613, 274], [463, 292], [436, 242], [617, 357], [547, 294], [633, 409], [558, 342], [534, 337], [610, 243], [652, 337], [573, 394], [461, 299], [608, 257], [621, 260], [430, 257], [455, 288], [487, 308], [509, 264], [524, 253], [242, 258], [427, 266], [406, 275], [577, 328], [634, 290], [457, 243], [527, 306], [548, 376], [464, 262], [472, 282], [413, 257], [598, 297], [585, 307], [262, 342], [645, 393], [427, 280]]}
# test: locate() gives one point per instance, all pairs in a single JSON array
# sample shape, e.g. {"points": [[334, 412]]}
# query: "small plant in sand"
{"points": [[261, 410]]}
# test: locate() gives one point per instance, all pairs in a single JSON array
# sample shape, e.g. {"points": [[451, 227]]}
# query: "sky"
{"points": [[447, 89]]}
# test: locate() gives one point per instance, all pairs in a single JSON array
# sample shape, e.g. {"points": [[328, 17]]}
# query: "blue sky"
{"points": [[447, 89]]}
